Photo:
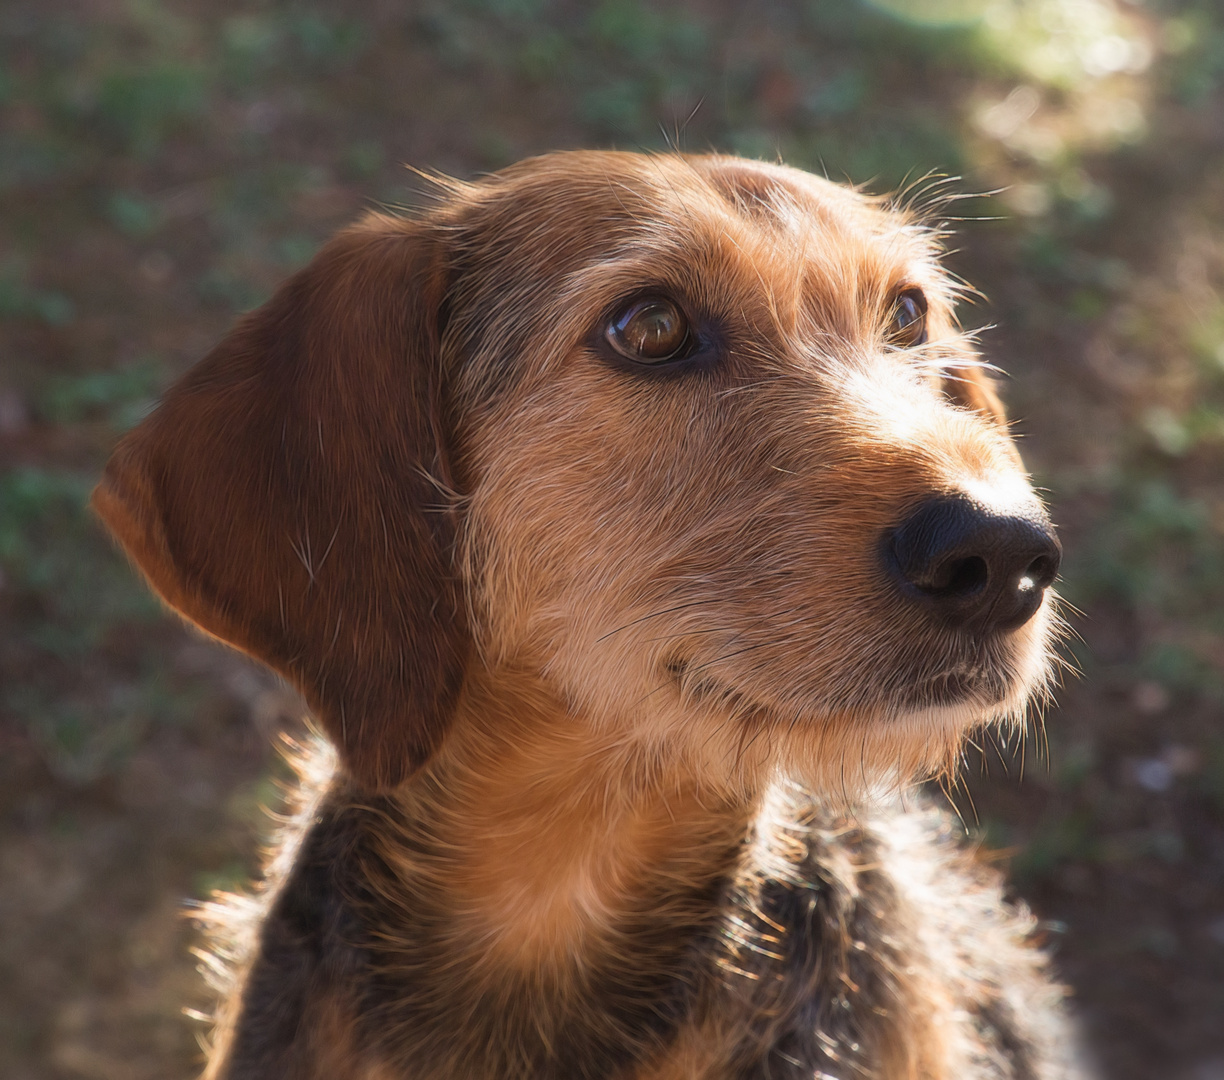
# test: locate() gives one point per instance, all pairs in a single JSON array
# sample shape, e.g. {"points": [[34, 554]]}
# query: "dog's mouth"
{"points": [[980, 685]]}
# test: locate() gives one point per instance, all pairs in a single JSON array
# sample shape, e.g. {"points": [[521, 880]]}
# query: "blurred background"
{"points": [[163, 163]]}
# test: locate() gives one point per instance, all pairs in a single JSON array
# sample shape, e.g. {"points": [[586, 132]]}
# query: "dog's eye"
{"points": [[650, 331], [908, 326]]}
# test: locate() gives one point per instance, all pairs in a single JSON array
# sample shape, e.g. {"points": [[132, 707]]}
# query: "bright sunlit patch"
{"points": [[934, 12], [1064, 43], [1002, 494]]}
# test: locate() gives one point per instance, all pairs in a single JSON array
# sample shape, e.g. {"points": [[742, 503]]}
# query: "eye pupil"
{"points": [[649, 331], [908, 327]]}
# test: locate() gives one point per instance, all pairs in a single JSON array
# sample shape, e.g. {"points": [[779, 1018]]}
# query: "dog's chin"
{"points": [[850, 750], [963, 695], [953, 689]]}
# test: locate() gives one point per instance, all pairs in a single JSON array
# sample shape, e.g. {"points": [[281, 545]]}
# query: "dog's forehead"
{"points": [[584, 204], [781, 197], [543, 248]]}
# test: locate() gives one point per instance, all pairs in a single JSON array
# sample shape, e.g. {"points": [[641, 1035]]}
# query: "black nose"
{"points": [[975, 568]]}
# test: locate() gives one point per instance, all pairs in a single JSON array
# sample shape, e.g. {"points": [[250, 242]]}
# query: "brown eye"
{"points": [[908, 327], [649, 331]]}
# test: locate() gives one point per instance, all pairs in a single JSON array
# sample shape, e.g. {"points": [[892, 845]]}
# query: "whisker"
{"points": [[653, 615]]}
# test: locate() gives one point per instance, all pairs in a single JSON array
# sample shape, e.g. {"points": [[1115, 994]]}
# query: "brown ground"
{"points": [[163, 165]]}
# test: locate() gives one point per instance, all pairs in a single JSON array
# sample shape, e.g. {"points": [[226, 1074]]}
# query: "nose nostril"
{"points": [[1041, 571]]}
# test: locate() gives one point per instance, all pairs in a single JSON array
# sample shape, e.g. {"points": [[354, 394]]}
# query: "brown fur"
{"points": [[606, 653]]}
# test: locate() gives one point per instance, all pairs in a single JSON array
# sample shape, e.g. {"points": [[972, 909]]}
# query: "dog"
{"points": [[636, 528]]}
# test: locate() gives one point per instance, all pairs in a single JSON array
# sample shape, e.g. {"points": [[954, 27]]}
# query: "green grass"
{"points": [[163, 165], [206, 140]]}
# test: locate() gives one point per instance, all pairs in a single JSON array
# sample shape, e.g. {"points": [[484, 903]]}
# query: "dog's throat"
{"points": [[600, 994], [544, 885], [550, 861], [530, 908], [546, 833], [691, 963]]}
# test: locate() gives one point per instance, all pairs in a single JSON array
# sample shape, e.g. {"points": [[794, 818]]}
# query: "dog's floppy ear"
{"points": [[972, 387], [281, 496]]}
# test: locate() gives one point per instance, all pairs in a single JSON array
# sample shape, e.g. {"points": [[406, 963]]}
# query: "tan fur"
{"points": [[586, 637]]}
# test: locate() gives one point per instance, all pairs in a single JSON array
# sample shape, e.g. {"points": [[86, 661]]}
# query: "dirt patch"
{"points": [[163, 166]]}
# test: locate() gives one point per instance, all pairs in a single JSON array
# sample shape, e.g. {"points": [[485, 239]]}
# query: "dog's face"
{"points": [[717, 388], [695, 440]]}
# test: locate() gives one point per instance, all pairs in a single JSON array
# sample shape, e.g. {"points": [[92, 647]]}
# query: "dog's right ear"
{"points": [[287, 496], [971, 387]]}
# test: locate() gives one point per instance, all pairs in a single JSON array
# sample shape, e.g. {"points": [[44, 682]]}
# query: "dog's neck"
{"points": [[584, 907], [556, 830], [585, 913]]}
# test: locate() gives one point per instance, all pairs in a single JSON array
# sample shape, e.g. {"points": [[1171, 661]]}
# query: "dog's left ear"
{"points": [[283, 496], [973, 388]]}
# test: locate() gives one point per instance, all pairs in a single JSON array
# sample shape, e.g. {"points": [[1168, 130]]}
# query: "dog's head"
{"points": [[695, 441]]}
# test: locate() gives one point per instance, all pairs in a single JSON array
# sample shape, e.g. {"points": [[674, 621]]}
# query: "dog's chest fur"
{"points": [[787, 963]]}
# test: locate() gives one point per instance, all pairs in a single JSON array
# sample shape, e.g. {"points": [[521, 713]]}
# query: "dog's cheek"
{"points": [[559, 564], [678, 538], [604, 513]]}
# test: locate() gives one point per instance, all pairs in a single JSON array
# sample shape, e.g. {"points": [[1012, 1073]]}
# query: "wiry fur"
{"points": [[856, 944], [607, 653]]}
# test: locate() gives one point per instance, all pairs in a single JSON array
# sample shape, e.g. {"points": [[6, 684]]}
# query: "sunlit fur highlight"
{"points": [[827, 373], [233, 920], [646, 823]]}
